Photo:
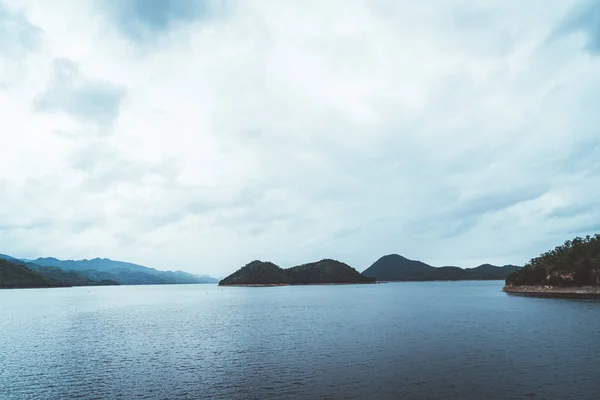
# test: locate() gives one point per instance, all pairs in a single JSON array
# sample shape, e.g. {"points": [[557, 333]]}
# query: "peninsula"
{"points": [[570, 270], [260, 273]]}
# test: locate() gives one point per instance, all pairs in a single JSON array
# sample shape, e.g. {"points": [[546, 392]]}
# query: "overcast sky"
{"points": [[200, 135]]}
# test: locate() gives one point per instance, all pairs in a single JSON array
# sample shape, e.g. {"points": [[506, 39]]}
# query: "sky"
{"points": [[203, 134]]}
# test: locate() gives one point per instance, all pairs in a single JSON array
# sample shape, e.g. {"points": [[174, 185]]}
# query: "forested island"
{"points": [[327, 271], [394, 267], [570, 270]]}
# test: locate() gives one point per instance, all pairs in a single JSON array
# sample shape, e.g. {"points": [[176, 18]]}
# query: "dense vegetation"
{"points": [[17, 276], [267, 273], [327, 271], [575, 263], [394, 267]]}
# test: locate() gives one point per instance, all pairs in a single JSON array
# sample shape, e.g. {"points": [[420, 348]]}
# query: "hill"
{"points": [[18, 276], [258, 273], [321, 272], [71, 277], [394, 267], [327, 271], [124, 273], [576, 263]]}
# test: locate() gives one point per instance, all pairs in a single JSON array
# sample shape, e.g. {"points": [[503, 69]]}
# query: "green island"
{"points": [[394, 267], [327, 271], [569, 270]]}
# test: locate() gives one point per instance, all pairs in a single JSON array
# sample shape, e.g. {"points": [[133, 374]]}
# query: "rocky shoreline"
{"points": [[582, 292]]}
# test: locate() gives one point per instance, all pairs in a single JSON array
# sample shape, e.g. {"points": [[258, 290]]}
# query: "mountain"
{"points": [[17, 275], [576, 263], [488, 271], [267, 273], [124, 273], [394, 267], [327, 271], [258, 273], [71, 277], [7, 257]]}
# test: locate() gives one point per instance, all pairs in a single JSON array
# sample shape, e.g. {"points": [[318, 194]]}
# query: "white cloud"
{"points": [[453, 133]]}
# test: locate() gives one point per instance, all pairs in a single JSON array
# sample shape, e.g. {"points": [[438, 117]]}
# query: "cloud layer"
{"points": [[200, 135]]}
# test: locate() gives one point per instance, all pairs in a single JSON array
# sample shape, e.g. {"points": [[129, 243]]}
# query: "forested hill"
{"points": [[324, 271], [574, 263], [18, 276], [394, 267]]}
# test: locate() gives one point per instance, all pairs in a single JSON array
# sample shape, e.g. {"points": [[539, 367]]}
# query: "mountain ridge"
{"points": [[394, 267], [124, 273], [265, 273], [17, 276], [104, 271]]}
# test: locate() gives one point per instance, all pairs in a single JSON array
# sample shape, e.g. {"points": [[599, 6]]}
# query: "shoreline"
{"points": [[294, 284], [581, 292]]}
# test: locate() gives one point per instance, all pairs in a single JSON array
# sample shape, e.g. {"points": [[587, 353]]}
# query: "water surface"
{"points": [[416, 340]]}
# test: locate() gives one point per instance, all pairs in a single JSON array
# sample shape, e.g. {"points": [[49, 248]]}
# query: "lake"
{"points": [[417, 340]]}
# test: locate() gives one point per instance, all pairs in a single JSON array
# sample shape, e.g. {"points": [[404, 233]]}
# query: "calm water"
{"points": [[433, 340]]}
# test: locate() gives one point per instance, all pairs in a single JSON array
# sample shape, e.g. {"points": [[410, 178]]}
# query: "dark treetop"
{"points": [[267, 273], [394, 267], [575, 263]]}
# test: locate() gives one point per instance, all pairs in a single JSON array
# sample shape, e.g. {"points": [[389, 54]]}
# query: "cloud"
{"points": [[294, 131], [144, 20], [585, 18], [17, 34], [95, 102]]}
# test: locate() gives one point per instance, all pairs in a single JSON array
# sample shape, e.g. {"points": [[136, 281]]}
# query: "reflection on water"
{"points": [[396, 340]]}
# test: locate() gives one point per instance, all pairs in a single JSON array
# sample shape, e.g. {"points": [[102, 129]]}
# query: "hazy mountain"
{"points": [[123, 273], [488, 271], [394, 267], [73, 278], [7, 257], [267, 273]]}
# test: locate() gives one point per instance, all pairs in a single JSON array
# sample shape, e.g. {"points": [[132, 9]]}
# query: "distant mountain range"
{"points": [[260, 273], [395, 267], [52, 272], [98, 271]]}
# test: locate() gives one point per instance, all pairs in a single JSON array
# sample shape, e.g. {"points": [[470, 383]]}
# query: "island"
{"points": [[571, 270], [394, 267], [327, 271]]}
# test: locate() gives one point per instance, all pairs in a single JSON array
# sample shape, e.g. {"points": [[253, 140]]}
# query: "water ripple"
{"points": [[393, 341]]}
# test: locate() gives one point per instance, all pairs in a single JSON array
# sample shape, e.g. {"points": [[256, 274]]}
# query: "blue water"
{"points": [[430, 340]]}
